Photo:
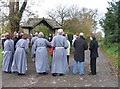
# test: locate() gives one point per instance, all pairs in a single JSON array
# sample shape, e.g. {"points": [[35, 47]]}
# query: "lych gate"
{"points": [[33, 22]]}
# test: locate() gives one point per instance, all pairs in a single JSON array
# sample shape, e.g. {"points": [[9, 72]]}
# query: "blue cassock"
{"points": [[8, 55], [41, 59], [20, 57], [59, 61]]}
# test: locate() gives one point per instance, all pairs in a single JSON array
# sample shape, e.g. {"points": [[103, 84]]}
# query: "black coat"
{"points": [[15, 41], [3, 41], [80, 45], [94, 49]]}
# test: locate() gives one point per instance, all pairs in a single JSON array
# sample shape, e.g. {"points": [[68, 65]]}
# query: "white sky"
{"points": [[41, 7], [46, 5]]}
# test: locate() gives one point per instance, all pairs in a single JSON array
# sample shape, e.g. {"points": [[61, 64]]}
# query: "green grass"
{"points": [[1, 57], [112, 52]]}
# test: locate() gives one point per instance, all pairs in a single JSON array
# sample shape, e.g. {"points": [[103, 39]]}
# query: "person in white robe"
{"points": [[8, 54], [59, 61], [41, 60], [68, 50], [20, 57]]}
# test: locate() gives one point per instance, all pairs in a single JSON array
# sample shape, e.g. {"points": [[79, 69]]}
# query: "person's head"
{"points": [[77, 34], [15, 32], [92, 37], [7, 35], [3, 35], [21, 33], [16, 35], [40, 35], [36, 33], [66, 36], [50, 34], [60, 31], [25, 36], [11, 36], [81, 34]]}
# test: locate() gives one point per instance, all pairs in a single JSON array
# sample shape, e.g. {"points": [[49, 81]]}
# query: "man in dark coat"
{"points": [[3, 38], [93, 54], [80, 45], [15, 39]]}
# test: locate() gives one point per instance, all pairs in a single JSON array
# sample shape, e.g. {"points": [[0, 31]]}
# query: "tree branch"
{"points": [[22, 8]]}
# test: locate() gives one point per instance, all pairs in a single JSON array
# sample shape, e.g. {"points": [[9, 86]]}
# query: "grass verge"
{"points": [[111, 52]]}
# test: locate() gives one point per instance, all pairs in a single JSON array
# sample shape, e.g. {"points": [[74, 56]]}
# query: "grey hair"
{"points": [[40, 35], [60, 31]]}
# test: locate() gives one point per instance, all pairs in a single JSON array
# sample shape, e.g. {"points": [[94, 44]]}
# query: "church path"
{"points": [[104, 77]]}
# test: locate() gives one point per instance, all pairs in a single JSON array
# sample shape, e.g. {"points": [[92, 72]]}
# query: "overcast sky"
{"points": [[46, 5], [41, 7]]}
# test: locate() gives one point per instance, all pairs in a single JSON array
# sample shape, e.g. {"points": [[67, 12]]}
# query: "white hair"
{"points": [[7, 33], [40, 34], [81, 34], [60, 31], [36, 33]]}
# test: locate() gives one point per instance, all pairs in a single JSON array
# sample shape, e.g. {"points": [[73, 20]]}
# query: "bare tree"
{"points": [[73, 11], [59, 14]]}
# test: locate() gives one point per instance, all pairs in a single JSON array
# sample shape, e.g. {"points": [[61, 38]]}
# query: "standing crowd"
{"points": [[17, 48]]}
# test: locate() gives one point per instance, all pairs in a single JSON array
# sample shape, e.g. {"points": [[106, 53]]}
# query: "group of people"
{"points": [[39, 54], [15, 50], [80, 45], [15, 59]]}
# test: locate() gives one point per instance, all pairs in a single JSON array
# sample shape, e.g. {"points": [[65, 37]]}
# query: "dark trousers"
{"points": [[68, 59], [93, 65]]}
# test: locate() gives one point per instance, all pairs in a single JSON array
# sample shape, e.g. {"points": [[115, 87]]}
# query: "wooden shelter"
{"points": [[33, 22]]}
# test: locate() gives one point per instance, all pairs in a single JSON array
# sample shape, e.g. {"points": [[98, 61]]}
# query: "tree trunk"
{"points": [[15, 14], [11, 13]]}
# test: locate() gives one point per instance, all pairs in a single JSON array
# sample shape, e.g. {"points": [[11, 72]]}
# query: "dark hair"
{"points": [[93, 36], [63, 34], [25, 36]]}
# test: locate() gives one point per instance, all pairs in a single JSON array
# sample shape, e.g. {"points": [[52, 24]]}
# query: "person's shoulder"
{"points": [[45, 39], [37, 39], [55, 37], [94, 40]]}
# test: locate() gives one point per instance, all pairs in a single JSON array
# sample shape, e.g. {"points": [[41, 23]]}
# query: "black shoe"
{"points": [[91, 73], [40, 73], [45, 73], [21, 74], [14, 72], [61, 74], [54, 74], [7, 72], [94, 74]]}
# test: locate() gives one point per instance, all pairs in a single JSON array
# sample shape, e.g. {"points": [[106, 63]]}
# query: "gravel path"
{"points": [[104, 77]]}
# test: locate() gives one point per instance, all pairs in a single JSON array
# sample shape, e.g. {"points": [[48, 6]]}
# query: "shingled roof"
{"points": [[33, 22]]}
